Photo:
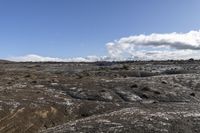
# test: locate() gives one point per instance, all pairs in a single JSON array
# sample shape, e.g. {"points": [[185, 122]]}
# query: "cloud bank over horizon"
{"points": [[139, 47], [38, 58], [157, 46]]}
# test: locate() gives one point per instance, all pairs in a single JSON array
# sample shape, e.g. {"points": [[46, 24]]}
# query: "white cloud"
{"points": [[165, 55], [139, 47], [157, 46], [37, 58], [33, 57]]}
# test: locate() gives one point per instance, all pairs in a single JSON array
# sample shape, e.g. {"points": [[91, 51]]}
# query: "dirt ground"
{"points": [[119, 97]]}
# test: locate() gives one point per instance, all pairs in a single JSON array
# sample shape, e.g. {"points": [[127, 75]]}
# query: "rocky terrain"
{"points": [[111, 97]]}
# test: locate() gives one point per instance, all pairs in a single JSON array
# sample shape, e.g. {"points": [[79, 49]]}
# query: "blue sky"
{"points": [[71, 28]]}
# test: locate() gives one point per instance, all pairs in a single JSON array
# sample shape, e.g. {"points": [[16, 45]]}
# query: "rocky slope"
{"points": [[140, 97]]}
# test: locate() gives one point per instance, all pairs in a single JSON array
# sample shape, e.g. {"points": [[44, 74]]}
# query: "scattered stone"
{"points": [[192, 94], [120, 97]]}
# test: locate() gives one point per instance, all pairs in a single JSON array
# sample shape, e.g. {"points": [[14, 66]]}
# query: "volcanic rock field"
{"points": [[110, 97]]}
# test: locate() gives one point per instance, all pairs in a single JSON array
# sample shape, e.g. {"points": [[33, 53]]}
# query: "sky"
{"points": [[67, 29]]}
